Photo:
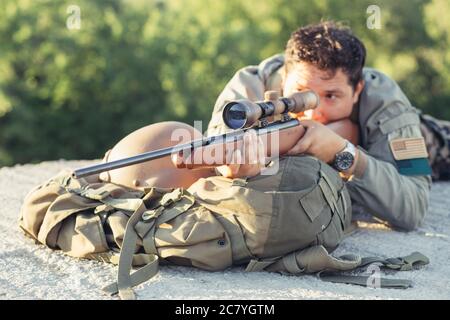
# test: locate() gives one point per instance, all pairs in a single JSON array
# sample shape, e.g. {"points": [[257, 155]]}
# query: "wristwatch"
{"points": [[345, 159]]}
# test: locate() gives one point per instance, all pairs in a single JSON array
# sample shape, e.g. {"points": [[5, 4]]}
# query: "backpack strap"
{"points": [[103, 194], [316, 259], [151, 219], [365, 280], [414, 260], [407, 263], [142, 224], [124, 279], [309, 260], [257, 265]]}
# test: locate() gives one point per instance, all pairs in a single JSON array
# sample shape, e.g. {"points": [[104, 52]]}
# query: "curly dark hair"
{"points": [[328, 46]]}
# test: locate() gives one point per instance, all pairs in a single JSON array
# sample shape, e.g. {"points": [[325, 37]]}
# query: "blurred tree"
{"points": [[73, 93]]}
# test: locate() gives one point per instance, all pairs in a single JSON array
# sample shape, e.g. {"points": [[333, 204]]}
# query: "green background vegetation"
{"points": [[74, 93]]}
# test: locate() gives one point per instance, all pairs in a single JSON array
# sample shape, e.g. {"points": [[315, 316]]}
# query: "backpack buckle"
{"points": [[165, 201], [239, 182], [95, 194], [152, 214], [171, 197], [103, 208]]}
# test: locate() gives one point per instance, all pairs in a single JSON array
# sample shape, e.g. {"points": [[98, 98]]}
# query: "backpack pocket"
{"points": [[310, 204], [338, 217], [194, 238]]}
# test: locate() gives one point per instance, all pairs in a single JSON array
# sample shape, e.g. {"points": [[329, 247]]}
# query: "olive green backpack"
{"points": [[286, 222]]}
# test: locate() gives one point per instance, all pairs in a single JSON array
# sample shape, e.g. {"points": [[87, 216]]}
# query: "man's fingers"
{"points": [[299, 148], [236, 162], [232, 169], [302, 145]]}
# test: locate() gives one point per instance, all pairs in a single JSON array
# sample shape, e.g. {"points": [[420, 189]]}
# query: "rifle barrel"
{"points": [[160, 153]]}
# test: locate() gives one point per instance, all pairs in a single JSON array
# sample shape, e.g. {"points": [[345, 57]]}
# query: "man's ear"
{"points": [[358, 90]]}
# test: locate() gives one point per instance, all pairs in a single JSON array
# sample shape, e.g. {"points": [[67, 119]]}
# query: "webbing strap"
{"points": [[138, 277], [171, 197], [328, 193], [102, 194], [415, 259], [328, 268], [317, 258], [330, 184], [256, 265], [291, 265], [125, 281], [332, 196], [240, 182], [63, 179], [109, 257], [308, 260], [182, 206], [96, 194], [122, 204], [365, 281], [184, 203], [409, 262]]}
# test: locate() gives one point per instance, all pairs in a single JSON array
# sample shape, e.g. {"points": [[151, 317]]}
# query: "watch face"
{"points": [[344, 161]]}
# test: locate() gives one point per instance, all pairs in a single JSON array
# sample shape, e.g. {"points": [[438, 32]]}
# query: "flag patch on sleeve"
{"points": [[408, 148], [411, 156]]}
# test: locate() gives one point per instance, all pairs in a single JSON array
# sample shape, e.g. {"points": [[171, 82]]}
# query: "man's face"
{"points": [[337, 96]]}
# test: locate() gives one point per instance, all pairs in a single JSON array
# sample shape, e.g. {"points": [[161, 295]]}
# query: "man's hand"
{"points": [[248, 160], [243, 158], [318, 141]]}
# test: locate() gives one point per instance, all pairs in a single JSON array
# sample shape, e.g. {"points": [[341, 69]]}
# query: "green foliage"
{"points": [[74, 93]]}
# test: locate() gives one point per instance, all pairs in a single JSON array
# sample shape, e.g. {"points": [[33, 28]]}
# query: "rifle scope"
{"points": [[241, 114]]}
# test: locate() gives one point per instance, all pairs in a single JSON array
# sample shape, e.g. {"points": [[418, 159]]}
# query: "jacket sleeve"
{"points": [[385, 193], [401, 200]]}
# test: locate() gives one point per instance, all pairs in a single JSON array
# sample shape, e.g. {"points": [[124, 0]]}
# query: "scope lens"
{"points": [[234, 115]]}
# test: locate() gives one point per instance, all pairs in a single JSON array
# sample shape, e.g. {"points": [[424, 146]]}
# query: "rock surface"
{"points": [[30, 271]]}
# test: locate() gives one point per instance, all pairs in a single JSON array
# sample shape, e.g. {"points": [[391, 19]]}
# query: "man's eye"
{"points": [[330, 96]]}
